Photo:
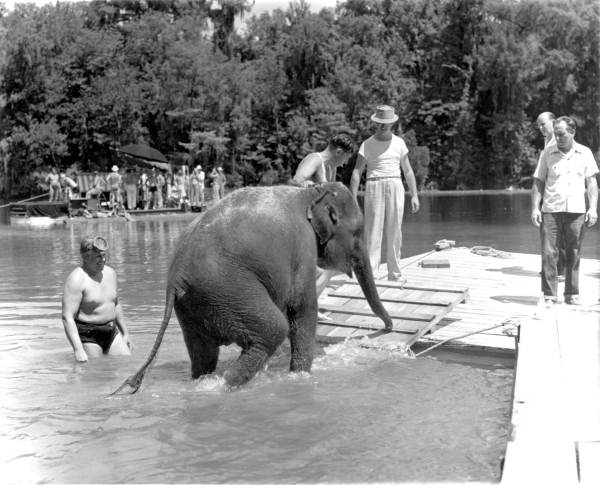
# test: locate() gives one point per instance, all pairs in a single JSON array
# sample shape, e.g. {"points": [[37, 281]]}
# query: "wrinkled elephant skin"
{"points": [[244, 272]]}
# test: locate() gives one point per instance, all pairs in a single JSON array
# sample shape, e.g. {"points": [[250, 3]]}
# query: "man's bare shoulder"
{"points": [[109, 272], [308, 167], [77, 274], [76, 279], [311, 159]]}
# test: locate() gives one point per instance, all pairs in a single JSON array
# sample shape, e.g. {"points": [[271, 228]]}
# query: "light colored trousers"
{"points": [[384, 210]]}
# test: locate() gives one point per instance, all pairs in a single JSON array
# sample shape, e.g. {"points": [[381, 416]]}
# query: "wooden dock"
{"points": [[495, 297]]}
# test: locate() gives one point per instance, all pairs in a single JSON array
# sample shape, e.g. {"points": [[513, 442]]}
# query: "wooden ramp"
{"points": [[501, 287], [415, 310]]}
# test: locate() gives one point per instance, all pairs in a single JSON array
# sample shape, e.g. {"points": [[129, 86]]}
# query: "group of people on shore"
{"points": [[61, 187], [141, 189], [565, 174]]}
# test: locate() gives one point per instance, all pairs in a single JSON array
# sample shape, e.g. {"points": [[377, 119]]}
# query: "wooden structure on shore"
{"points": [[494, 298]]}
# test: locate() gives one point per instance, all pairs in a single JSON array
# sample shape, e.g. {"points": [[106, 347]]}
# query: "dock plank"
{"points": [[589, 462]]}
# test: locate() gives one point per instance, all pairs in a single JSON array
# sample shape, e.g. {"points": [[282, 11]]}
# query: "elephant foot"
{"points": [[235, 379], [246, 366], [301, 364]]}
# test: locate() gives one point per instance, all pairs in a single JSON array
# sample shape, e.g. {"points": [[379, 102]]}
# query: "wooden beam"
{"points": [[362, 326], [423, 317], [391, 284], [413, 301]]}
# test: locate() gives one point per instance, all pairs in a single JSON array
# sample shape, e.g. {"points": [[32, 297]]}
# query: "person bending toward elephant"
{"points": [[92, 315], [244, 272], [321, 167]]}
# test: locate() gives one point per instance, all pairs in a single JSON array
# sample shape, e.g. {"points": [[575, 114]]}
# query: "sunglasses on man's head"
{"points": [[99, 244]]}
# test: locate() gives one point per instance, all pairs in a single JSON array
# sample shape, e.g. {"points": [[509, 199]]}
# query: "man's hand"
{"points": [[127, 341], [536, 217], [591, 217], [414, 203], [81, 356]]}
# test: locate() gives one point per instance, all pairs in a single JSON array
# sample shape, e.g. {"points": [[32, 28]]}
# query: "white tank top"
{"points": [[383, 157]]}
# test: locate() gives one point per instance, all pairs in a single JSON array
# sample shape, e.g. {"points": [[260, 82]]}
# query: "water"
{"points": [[361, 416]]}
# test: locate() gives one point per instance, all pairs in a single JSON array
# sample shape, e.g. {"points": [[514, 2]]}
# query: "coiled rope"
{"points": [[490, 251]]}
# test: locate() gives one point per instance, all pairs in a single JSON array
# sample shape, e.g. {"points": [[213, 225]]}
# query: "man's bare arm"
{"points": [[119, 316], [536, 201], [357, 174], [591, 216], [411, 181], [72, 296]]}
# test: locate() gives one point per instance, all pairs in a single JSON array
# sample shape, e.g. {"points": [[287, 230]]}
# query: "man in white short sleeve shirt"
{"points": [[566, 171]]}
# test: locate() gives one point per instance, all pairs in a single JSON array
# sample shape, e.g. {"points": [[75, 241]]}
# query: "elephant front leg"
{"points": [[249, 362], [270, 331], [303, 328]]}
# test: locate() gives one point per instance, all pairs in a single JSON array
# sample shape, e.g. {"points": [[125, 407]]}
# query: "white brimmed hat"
{"points": [[384, 114], [115, 168]]}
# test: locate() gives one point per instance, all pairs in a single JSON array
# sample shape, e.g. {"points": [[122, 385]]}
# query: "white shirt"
{"points": [[383, 157], [564, 177]]}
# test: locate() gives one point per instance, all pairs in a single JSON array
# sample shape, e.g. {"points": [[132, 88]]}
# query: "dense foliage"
{"points": [[468, 78]]}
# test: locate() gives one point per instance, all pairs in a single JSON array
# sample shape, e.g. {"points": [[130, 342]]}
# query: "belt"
{"points": [[371, 179]]}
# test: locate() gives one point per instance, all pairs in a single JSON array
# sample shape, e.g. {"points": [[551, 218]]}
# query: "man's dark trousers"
{"points": [[561, 228]]}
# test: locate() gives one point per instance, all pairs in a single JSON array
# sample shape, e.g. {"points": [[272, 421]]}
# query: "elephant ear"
{"points": [[323, 216]]}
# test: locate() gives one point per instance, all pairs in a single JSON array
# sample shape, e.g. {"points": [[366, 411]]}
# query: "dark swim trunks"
{"points": [[100, 334]]}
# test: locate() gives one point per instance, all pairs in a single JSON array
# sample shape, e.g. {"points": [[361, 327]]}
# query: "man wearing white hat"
{"points": [[385, 156]]}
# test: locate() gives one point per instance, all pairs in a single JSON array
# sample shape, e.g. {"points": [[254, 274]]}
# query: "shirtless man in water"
{"points": [[91, 312]]}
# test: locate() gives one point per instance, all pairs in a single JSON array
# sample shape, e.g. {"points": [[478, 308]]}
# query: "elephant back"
{"points": [[245, 230]]}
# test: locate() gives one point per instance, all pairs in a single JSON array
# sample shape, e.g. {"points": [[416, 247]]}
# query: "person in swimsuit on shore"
{"points": [[91, 313]]}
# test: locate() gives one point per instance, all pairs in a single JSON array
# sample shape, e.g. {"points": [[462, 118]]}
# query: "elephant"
{"points": [[244, 272]]}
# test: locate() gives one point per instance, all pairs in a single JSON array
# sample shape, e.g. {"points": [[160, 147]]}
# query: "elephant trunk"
{"points": [[364, 275]]}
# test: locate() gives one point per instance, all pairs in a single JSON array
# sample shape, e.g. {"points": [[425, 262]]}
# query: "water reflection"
{"points": [[477, 207], [501, 220]]}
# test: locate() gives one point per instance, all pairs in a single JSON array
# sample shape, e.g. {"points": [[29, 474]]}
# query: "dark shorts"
{"points": [[100, 334]]}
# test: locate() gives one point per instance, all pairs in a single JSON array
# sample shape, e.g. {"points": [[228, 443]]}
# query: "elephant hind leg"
{"points": [[272, 328], [203, 352]]}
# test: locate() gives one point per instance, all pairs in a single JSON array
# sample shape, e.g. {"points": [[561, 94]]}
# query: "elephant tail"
{"points": [[135, 381]]}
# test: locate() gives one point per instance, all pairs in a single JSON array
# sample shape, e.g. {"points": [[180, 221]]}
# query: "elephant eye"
{"points": [[332, 214]]}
